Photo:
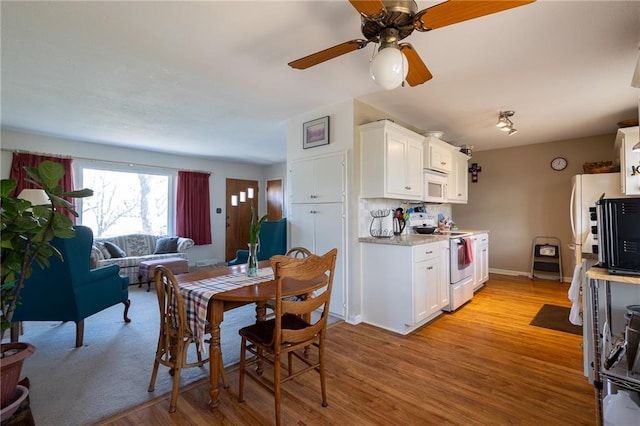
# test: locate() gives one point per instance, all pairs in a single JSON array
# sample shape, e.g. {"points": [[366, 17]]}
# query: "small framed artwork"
{"points": [[315, 133]]}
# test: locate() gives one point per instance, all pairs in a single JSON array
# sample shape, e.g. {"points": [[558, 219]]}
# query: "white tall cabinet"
{"points": [[317, 214]]}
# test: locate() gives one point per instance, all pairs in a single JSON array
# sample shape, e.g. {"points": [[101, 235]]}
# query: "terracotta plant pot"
{"points": [[10, 368]]}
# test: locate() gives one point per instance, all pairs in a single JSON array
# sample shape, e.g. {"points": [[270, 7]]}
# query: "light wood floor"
{"points": [[482, 365]]}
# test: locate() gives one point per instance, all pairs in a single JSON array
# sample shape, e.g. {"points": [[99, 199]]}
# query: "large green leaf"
{"points": [[47, 172], [7, 185]]}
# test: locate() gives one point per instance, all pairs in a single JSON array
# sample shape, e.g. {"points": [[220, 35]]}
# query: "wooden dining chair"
{"points": [[298, 252], [292, 253], [291, 330], [175, 334]]}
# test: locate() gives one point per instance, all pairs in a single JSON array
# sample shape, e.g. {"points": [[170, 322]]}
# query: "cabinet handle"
{"points": [[312, 196], [443, 163], [429, 268], [312, 211], [428, 252], [407, 187]]}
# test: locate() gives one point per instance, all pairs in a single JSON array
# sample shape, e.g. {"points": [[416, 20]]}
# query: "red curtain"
{"points": [[18, 173], [193, 217]]}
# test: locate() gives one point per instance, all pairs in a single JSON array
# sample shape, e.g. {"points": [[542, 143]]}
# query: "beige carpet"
{"points": [[110, 373]]}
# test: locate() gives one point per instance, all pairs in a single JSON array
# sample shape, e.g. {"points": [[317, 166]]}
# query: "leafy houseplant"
{"points": [[26, 233], [28, 230], [254, 232]]}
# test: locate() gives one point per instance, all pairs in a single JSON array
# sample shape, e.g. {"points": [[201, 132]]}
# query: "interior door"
{"points": [[274, 199], [238, 218]]}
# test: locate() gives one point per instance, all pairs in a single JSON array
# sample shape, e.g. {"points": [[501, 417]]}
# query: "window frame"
{"points": [[171, 174]]}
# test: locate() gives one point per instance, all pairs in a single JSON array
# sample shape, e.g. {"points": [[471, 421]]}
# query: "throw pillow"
{"points": [[166, 245], [103, 250], [114, 250]]}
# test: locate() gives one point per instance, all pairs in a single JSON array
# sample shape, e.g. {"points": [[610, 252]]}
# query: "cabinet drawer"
{"points": [[425, 252]]}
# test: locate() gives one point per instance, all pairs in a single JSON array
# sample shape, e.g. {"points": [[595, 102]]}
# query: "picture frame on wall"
{"points": [[315, 133]]}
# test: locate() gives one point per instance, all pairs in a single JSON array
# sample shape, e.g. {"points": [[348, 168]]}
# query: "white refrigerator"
{"points": [[586, 190]]}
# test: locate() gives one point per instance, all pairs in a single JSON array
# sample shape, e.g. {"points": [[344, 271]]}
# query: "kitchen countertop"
{"points": [[416, 239]]}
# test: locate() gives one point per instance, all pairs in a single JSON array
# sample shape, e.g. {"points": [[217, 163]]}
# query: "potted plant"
{"points": [[254, 233], [26, 233]]}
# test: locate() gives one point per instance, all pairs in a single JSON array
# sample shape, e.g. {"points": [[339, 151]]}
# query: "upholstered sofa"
{"points": [[127, 251]]}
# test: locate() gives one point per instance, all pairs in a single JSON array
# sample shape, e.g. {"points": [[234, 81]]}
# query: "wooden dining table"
{"points": [[258, 293]]}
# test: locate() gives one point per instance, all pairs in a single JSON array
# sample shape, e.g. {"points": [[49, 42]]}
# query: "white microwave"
{"points": [[435, 187]]}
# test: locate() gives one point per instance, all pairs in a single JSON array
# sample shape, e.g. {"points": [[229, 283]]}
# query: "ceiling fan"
{"points": [[388, 21]]}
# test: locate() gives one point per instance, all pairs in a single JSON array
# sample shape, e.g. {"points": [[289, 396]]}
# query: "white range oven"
{"points": [[461, 267]]}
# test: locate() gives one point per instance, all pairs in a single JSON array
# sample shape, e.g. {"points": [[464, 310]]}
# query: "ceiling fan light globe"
{"points": [[389, 68]]}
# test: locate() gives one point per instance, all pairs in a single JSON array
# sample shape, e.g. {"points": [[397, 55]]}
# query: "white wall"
{"points": [[220, 171]]}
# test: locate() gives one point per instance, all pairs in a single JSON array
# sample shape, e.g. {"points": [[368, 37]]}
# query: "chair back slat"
{"points": [[313, 275], [173, 313]]}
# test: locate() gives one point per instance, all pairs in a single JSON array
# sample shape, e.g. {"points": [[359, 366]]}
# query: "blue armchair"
{"points": [[68, 290], [273, 240]]}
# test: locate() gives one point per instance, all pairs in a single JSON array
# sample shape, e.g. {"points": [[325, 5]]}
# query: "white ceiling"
{"points": [[211, 78]]}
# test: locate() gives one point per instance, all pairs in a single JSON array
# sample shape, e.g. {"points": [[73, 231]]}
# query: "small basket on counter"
{"points": [[598, 167], [375, 229]]}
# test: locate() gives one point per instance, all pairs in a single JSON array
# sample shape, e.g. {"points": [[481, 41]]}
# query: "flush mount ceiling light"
{"points": [[505, 124]]}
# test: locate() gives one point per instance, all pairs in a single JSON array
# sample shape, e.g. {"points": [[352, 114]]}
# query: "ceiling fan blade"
{"points": [[368, 7], [454, 11], [326, 54], [418, 72]]}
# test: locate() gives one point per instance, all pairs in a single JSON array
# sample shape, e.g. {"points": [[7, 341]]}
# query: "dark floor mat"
{"points": [[555, 318]]}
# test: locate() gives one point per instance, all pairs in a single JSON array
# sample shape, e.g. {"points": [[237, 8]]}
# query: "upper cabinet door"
{"points": [[415, 169], [396, 163], [318, 180], [302, 181], [329, 179], [438, 155], [458, 188]]}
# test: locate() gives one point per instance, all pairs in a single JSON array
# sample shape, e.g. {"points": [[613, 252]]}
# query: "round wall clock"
{"points": [[559, 163]]}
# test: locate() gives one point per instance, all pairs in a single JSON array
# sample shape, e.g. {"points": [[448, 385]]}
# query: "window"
{"points": [[126, 200]]}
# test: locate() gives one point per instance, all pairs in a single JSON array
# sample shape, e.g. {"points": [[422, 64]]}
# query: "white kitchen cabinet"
{"points": [[320, 228], [629, 160], [401, 285], [391, 161], [426, 275], [458, 187], [481, 260], [437, 155], [317, 180]]}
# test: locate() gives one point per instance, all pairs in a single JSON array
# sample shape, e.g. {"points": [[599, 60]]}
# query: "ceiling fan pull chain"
{"points": [[373, 53]]}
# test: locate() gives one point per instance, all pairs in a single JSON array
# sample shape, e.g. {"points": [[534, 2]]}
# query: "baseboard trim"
{"points": [[527, 274]]}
